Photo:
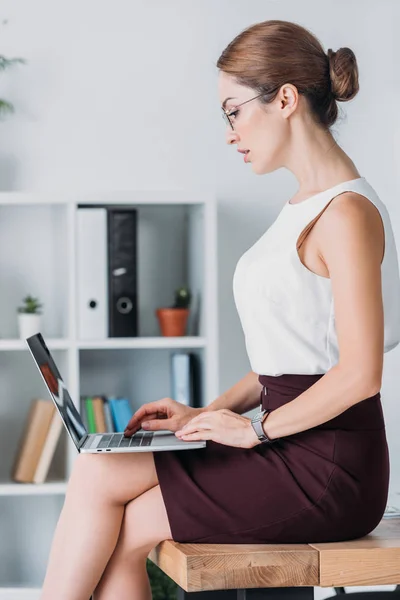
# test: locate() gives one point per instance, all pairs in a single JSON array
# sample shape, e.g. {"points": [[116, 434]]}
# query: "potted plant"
{"points": [[173, 320], [5, 63], [29, 317]]}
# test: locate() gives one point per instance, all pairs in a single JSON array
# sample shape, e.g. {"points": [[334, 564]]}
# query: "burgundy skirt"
{"points": [[327, 484]]}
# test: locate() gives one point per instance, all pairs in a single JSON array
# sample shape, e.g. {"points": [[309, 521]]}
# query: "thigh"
{"points": [[145, 524], [118, 477]]}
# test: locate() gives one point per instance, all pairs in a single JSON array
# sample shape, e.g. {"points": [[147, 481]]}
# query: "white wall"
{"points": [[124, 95]]}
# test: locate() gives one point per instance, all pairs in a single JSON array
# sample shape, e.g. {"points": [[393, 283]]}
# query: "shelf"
{"points": [[107, 197], [18, 344], [33, 489], [176, 244], [7, 345], [19, 593], [143, 342]]}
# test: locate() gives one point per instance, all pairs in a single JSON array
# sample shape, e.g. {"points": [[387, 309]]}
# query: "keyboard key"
{"points": [[104, 441], [136, 439], [125, 442], [147, 439], [115, 442]]}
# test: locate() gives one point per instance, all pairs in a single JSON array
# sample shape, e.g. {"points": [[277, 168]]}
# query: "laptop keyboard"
{"points": [[118, 440]]}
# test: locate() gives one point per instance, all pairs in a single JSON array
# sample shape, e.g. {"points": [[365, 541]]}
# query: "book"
{"points": [[121, 412], [32, 440], [107, 413], [185, 378], [113, 402], [90, 415], [125, 412], [180, 377], [99, 416], [49, 448]]}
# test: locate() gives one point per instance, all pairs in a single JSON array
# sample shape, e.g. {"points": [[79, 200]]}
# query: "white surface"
{"points": [[322, 593], [31, 489], [20, 594], [145, 342], [14, 344]]}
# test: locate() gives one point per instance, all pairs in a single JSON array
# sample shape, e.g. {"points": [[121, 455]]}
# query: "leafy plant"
{"points": [[31, 305], [162, 586], [5, 63], [183, 297]]}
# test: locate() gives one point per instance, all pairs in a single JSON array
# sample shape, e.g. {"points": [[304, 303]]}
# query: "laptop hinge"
{"points": [[82, 441]]}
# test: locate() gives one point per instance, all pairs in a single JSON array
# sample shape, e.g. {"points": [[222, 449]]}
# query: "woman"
{"points": [[312, 294]]}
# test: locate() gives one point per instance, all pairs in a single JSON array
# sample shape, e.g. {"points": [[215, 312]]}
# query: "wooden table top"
{"points": [[371, 560]]}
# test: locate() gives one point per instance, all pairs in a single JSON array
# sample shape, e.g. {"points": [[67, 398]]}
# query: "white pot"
{"points": [[29, 324]]}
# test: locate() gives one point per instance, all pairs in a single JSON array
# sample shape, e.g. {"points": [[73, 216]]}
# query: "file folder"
{"points": [[122, 272], [92, 282]]}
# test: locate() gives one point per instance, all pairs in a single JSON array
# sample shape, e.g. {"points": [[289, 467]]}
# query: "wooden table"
{"points": [[284, 572]]}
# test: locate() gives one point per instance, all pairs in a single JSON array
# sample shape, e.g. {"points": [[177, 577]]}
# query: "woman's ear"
{"points": [[289, 97]]}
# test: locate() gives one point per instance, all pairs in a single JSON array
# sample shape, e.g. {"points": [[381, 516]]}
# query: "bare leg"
{"points": [[144, 525], [91, 518]]}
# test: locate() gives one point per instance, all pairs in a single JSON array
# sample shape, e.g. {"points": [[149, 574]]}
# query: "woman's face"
{"points": [[261, 129]]}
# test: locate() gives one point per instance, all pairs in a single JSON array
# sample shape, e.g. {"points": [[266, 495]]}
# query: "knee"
{"points": [[135, 538], [139, 532]]}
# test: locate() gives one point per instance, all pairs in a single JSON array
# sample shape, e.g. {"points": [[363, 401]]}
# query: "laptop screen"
{"points": [[55, 384]]}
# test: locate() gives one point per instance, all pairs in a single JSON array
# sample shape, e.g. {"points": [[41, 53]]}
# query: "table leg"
{"points": [[288, 593]]}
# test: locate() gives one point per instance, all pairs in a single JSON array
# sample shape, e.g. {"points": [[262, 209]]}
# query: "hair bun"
{"points": [[343, 71]]}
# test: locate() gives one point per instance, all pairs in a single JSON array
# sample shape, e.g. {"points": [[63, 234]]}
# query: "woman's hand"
{"points": [[161, 414], [222, 426]]}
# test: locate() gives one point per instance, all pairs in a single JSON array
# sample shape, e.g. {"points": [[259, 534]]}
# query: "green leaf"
{"points": [[5, 108], [6, 63], [32, 305]]}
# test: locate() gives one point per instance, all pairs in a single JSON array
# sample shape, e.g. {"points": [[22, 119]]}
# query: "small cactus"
{"points": [[31, 306], [183, 297]]}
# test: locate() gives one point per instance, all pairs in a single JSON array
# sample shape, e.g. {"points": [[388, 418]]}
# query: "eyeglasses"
{"points": [[227, 113]]}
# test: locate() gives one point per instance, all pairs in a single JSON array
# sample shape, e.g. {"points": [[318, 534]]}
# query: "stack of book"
{"points": [[102, 414], [38, 442]]}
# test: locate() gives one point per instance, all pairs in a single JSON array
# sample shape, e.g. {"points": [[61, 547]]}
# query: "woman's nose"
{"points": [[231, 136]]}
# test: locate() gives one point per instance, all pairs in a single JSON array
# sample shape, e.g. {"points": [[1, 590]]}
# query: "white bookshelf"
{"points": [[176, 245]]}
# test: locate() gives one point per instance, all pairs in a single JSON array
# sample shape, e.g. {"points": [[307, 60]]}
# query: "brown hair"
{"points": [[269, 54]]}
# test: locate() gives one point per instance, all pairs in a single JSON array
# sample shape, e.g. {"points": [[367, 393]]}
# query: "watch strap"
{"points": [[257, 423]]}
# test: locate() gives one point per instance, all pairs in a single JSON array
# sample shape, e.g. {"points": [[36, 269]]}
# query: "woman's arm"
{"points": [[241, 397], [331, 395], [351, 245]]}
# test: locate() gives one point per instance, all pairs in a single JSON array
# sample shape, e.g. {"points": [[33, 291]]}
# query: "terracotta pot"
{"points": [[172, 321]]}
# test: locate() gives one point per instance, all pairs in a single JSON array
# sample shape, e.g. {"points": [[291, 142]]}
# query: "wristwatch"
{"points": [[257, 422]]}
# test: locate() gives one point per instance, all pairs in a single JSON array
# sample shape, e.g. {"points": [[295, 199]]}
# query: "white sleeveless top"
{"points": [[286, 311]]}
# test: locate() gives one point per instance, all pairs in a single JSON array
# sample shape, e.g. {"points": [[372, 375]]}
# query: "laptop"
{"points": [[141, 441]]}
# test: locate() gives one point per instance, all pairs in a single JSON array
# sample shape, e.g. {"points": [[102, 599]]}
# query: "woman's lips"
{"points": [[245, 152]]}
